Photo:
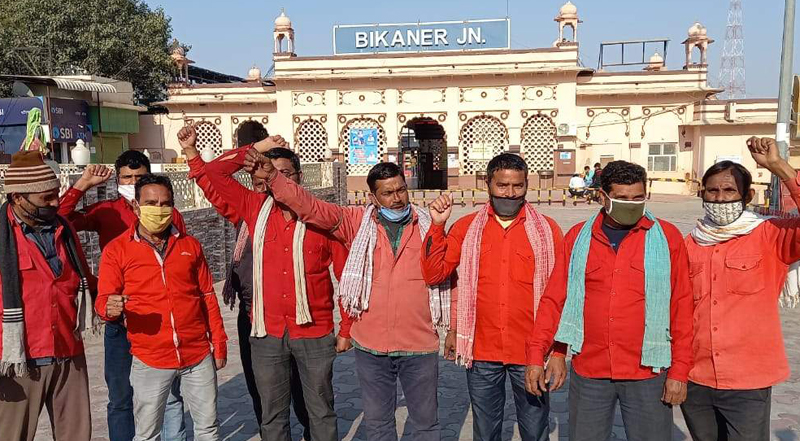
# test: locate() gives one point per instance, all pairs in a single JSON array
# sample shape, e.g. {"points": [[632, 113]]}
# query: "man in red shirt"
{"points": [[292, 298], [621, 299], [239, 280], [109, 219], [46, 306], [160, 279], [738, 264], [504, 255]]}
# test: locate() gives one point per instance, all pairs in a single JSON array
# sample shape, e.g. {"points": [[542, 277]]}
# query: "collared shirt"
{"points": [[504, 314], [108, 218], [399, 315], [394, 230], [49, 311], [45, 239], [738, 343], [172, 313], [614, 309], [320, 250]]}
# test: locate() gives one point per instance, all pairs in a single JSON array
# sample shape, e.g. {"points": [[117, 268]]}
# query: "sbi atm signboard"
{"points": [[422, 37]]}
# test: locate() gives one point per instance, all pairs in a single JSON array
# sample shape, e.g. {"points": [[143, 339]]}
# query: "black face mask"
{"points": [[507, 207], [45, 215]]}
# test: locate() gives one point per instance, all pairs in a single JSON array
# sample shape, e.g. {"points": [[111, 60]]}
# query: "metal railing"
{"points": [[476, 196]]}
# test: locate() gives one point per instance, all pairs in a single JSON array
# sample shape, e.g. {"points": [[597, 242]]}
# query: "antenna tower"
{"points": [[731, 69]]}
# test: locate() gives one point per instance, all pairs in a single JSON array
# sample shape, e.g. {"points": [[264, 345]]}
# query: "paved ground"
{"points": [[238, 422]]}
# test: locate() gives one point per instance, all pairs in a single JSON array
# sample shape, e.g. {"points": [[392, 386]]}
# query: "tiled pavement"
{"points": [[238, 422]]}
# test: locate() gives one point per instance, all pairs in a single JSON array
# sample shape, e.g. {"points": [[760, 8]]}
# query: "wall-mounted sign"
{"points": [[481, 151], [14, 111], [422, 37], [70, 121], [363, 146]]}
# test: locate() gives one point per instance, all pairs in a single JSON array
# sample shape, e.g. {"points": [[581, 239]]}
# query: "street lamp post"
{"points": [[784, 97]]}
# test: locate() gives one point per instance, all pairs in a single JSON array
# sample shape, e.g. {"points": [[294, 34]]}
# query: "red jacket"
{"points": [[172, 313], [49, 308], [614, 307], [108, 218], [320, 250]]}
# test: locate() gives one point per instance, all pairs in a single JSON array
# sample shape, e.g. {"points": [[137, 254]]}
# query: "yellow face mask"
{"points": [[155, 219]]}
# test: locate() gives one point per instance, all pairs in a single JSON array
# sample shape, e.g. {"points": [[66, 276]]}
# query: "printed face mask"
{"points": [[127, 191], [625, 212], [155, 219], [507, 207], [723, 213]]}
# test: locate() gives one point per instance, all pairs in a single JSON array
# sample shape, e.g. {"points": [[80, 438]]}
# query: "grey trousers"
{"points": [[727, 415], [592, 403], [273, 371]]}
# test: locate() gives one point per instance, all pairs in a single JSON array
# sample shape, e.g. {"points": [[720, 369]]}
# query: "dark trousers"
{"points": [[118, 360], [727, 415], [592, 403], [272, 367], [487, 392], [62, 388], [244, 326], [419, 377]]}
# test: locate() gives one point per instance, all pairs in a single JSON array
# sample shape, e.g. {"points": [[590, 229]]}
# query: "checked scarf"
{"points": [[355, 286]]}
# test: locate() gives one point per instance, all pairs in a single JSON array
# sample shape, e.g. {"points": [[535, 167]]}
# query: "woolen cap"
{"points": [[28, 173]]}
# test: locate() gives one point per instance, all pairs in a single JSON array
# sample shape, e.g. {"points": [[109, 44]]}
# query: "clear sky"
{"points": [[230, 36]]}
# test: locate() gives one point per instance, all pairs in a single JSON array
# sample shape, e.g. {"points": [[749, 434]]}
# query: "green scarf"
{"points": [[656, 346]]}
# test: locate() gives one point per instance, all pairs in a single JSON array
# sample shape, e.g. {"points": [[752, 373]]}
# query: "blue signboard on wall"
{"points": [[363, 146], [422, 37], [70, 120]]}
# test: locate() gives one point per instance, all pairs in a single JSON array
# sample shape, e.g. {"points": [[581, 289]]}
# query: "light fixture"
{"points": [[81, 155]]}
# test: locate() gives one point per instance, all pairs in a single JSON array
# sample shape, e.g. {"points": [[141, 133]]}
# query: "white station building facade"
{"points": [[441, 99]]}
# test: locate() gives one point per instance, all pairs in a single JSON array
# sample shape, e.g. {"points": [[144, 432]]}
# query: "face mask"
{"points": [[507, 207], [625, 212], [45, 215], [723, 213], [127, 191], [155, 219], [396, 216]]}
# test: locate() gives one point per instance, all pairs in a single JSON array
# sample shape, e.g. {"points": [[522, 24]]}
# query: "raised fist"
{"points": [[441, 208]]}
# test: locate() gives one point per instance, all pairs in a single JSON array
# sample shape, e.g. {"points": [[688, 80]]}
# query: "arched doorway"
{"points": [[249, 132], [423, 154]]}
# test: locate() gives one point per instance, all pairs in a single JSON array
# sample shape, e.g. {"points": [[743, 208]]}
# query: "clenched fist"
{"points": [[94, 174], [441, 208], [115, 306]]}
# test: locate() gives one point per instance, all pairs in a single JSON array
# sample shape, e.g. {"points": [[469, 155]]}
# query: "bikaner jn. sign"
{"points": [[422, 37]]}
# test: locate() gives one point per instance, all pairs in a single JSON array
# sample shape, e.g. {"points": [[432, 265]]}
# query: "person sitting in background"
{"points": [[159, 278], [588, 176], [109, 219], [577, 187]]}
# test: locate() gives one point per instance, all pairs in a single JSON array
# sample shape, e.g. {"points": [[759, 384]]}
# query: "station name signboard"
{"points": [[422, 37]]}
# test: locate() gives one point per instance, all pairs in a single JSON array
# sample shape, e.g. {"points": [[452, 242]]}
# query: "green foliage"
{"points": [[122, 39]]}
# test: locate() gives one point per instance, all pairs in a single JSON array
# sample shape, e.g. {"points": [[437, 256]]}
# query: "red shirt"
{"points": [[49, 310], [172, 313], [738, 343], [614, 307], [108, 218], [319, 250], [504, 308]]}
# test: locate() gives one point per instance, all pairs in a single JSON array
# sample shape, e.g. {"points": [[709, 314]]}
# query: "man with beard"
{"points": [[738, 265], [504, 254]]}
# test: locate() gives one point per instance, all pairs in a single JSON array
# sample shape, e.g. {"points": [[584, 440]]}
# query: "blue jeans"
{"points": [[118, 361], [419, 377], [486, 382]]}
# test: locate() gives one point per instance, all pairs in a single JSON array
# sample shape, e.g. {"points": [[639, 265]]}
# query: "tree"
{"points": [[121, 39]]}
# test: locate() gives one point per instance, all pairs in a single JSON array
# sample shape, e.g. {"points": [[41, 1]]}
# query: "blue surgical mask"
{"points": [[396, 216]]}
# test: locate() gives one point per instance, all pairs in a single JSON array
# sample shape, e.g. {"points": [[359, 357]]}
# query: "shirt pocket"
{"points": [[522, 267], [636, 279], [742, 274], [696, 277], [313, 258]]}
